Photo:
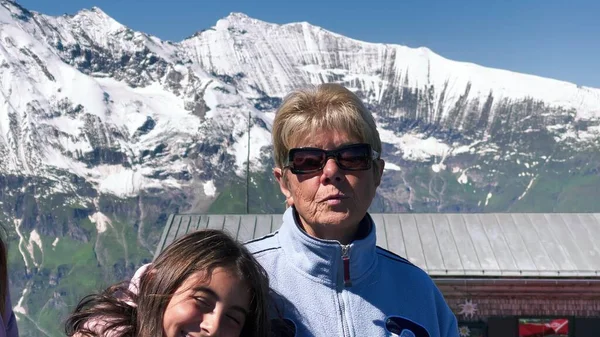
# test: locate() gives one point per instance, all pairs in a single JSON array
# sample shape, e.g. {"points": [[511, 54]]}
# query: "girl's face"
{"points": [[214, 307]]}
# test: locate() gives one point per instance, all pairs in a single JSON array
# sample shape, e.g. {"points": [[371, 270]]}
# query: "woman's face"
{"points": [[214, 307], [332, 201]]}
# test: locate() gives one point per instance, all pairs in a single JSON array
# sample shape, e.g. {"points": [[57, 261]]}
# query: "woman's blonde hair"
{"points": [[304, 112]]}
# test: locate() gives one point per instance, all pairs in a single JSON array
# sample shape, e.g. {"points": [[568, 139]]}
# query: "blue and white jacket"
{"points": [[327, 289]]}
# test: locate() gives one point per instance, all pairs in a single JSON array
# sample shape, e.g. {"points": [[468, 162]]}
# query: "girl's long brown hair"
{"points": [[200, 251]]}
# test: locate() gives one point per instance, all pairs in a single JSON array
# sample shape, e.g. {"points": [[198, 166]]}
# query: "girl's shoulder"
{"points": [[135, 280]]}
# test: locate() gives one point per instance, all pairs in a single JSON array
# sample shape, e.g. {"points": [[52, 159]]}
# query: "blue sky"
{"points": [[551, 38]]}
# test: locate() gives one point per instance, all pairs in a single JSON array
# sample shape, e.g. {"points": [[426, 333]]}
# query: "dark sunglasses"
{"points": [[355, 157]]}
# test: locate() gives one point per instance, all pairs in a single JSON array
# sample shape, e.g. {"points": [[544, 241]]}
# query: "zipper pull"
{"points": [[346, 262]]}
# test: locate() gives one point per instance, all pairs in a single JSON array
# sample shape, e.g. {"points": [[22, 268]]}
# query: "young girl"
{"points": [[203, 284], [8, 323]]}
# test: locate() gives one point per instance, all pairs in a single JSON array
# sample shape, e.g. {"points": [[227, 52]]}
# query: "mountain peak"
{"points": [[94, 11], [98, 10], [237, 15], [238, 20], [96, 17]]}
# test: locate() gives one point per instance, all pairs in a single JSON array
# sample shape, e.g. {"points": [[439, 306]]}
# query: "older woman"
{"points": [[323, 262]]}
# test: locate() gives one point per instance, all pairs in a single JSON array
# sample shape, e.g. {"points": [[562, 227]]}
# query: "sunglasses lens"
{"points": [[354, 157], [307, 160]]}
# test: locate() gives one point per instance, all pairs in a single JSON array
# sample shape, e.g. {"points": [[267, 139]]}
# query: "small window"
{"points": [[543, 327]]}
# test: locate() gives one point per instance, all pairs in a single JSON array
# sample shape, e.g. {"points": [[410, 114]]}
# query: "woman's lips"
{"points": [[335, 199]]}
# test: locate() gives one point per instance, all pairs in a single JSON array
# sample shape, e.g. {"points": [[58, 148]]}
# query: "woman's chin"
{"points": [[339, 218]]}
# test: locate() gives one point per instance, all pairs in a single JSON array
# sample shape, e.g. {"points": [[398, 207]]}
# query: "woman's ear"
{"points": [[283, 185], [379, 166]]}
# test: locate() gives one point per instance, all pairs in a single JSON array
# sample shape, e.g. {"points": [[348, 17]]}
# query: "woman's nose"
{"points": [[331, 171]]}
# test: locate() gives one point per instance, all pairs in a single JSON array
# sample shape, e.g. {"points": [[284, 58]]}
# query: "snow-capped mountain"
{"points": [[83, 82], [104, 131], [86, 95], [63, 73], [279, 58]]}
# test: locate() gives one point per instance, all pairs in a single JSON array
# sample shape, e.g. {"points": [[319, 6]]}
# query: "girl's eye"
{"points": [[235, 320], [202, 302]]}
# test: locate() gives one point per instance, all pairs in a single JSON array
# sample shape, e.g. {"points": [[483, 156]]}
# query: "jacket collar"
{"points": [[321, 260]]}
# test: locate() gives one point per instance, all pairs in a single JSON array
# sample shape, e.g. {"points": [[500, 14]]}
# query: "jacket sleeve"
{"points": [[452, 330], [11, 323], [447, 319]]}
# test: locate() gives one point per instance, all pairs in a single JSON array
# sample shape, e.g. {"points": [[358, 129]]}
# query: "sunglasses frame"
{"points": [[330, 154]]}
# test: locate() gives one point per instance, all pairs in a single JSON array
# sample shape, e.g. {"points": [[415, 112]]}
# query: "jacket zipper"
{"points": [[347, 283], [346, 261]]}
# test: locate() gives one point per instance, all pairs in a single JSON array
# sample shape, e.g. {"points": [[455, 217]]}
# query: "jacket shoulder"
{"points": [[269, 242], [397, 260]]}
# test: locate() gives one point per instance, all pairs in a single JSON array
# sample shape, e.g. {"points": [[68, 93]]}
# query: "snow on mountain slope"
{"points": [[54, 116], [123, 109], [278, 58]]}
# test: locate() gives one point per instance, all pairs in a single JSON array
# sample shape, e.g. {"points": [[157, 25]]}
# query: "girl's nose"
{"points": [[211, 324]]}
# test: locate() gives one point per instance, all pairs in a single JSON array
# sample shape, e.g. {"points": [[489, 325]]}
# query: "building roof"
{"points": [[459, 245]]}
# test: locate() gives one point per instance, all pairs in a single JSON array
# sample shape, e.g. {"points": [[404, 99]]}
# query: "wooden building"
{"points": [[503, 274]]}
